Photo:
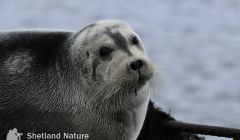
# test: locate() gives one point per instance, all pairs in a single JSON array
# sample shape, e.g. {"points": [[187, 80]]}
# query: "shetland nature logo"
{"points": [[14, 135]]}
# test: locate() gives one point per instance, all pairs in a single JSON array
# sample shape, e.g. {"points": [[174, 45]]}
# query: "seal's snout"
{"points": [[136, 65], [140, 69]]}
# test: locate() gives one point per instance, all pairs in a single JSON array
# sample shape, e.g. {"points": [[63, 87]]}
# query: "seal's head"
{"points": [[111, 60]]}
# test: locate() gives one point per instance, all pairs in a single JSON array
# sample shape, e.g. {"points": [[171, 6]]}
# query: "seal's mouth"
{"points": [[142, 78], [140, 83], [135, 91]]}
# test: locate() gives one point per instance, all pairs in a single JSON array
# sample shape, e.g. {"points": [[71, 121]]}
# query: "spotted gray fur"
{"points": [[52, 81]]}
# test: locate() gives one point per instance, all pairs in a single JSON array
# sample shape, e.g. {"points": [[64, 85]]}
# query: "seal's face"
{"points": [[111, 54]]}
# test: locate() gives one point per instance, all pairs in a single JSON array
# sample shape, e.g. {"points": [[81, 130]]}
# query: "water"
{"points": [[194, 43]]}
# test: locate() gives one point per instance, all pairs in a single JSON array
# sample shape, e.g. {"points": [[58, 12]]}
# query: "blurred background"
{"points": [[196, 45]]}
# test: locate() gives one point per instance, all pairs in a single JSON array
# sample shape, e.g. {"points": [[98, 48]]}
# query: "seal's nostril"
{"points": [[136, 65]]}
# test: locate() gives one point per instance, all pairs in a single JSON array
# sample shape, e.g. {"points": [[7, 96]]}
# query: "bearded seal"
{"points": [[94, 81]]}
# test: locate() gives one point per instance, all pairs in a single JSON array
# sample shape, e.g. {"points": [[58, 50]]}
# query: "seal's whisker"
{"points": [[97, 95], [118, 89], [156, 83], [112, 91]]}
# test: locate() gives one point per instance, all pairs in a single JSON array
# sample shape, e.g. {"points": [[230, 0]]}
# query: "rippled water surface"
{"points": [[195, 43]]}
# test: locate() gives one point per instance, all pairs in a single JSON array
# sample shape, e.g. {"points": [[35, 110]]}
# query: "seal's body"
{"points": [[91, 82]]}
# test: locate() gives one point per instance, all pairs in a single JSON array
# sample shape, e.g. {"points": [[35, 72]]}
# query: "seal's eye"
{"points": [[105, 52], [134, 40]]}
